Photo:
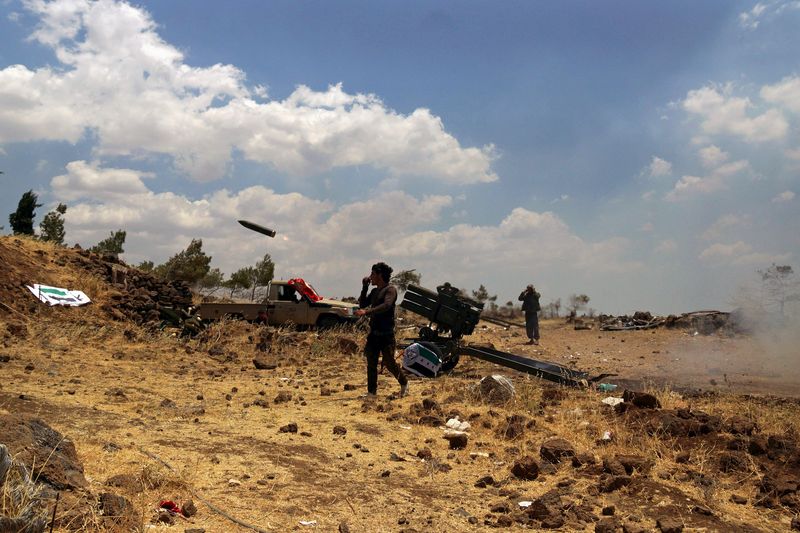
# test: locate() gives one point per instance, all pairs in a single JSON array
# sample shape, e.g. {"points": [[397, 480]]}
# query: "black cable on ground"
{"points": [[203, 500]]}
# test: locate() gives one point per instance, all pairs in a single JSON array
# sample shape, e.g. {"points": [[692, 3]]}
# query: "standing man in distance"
{"points": [[530, 304], [379, 305]]}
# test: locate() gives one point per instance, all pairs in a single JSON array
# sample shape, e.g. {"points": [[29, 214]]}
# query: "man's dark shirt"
{"points": [[530, 301], [381, 303]]}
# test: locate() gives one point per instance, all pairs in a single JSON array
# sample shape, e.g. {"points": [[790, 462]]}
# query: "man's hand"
{"points": [[360, 312], [365, 280]]}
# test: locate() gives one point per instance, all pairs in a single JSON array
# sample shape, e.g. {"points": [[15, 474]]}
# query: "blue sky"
{"points": [[646, 154]]}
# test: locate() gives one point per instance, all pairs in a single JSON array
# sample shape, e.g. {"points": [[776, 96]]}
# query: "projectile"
{"points": [[255, 227]]}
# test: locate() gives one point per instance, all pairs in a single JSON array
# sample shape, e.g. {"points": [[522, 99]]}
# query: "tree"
{"points": [[146, 266], [52, 226], [22, 219], [214, 278], [190, 265], [112, 244], [404, 278], [551, 309], [480, 295], [577, 302], [780, 286], [262, 274], [241, 279]]}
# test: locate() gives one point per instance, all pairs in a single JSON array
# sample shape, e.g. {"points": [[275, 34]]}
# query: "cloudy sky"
{"points": [[644, 153]]}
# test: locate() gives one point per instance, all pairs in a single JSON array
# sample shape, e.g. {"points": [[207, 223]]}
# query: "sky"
{"points": [[646, 154]]}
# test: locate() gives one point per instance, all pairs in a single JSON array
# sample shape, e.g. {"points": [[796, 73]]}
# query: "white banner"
{"points": [[58, 296]]}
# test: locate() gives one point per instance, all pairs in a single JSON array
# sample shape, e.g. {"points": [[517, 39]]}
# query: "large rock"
{"points": [[526, 468], [35, 444], [496, 389], [643, 400], [554, 450]]}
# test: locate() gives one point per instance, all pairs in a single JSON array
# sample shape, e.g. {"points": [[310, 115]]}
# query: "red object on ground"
{"points": [[170, 506], [305, 289]]}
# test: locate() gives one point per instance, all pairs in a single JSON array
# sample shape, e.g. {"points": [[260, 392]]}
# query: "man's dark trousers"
{"points": [[532, 324], [377, 345]]}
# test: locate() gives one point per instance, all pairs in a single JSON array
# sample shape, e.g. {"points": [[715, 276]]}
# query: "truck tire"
{"points": [[327, 322]]}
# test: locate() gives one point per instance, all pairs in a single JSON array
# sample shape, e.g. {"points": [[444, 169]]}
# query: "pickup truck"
{"points": [[286, 302]]}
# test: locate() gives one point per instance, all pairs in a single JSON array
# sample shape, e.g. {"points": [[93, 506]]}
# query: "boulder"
{"points": [[642, 400], [54, 458], [554, 450], [496, 389], [526, 468]]}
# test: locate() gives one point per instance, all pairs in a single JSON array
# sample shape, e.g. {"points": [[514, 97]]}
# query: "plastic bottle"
{"points": [[606, 387]]}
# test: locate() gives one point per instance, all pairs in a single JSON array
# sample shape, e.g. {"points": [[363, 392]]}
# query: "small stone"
{"points": [[669, 525], [457, 439], [189, 509], [234, 482], [425, 454], [609, 510], [262, 364], [291, 427], [484, 482], [606, 525], [737, 499], [339, 430]]}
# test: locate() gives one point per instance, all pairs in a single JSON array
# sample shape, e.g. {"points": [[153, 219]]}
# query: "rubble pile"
{"points": [[702, 322], [138, 296], [639, 320]]}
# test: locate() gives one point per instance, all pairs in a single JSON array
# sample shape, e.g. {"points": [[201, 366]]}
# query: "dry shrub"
{"points": [[20, 497]]}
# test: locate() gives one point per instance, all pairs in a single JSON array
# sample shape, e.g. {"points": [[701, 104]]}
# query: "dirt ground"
{"points": [[294, 447]]}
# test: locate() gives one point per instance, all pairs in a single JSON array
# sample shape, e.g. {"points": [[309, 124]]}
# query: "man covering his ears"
{"points": [[379, 306]]}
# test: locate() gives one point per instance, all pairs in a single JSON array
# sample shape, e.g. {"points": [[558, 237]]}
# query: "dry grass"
{"points": [[20, 497]]}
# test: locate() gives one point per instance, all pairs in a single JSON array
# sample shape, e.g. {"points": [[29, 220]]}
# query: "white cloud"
{"points": [[739, 253], [13, 16], [785, 196], [120, 80], [785, 93], [522, 239], [88, 180], [723, 114], [667, 246], [762, 11], [724, 251], [712, 156], [793, 153], [750, 19], [659, 167], [692, 185], [716, 181], [724, 223]]}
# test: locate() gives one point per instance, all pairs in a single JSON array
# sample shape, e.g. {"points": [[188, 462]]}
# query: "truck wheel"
{"points": [[327, 322]]}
